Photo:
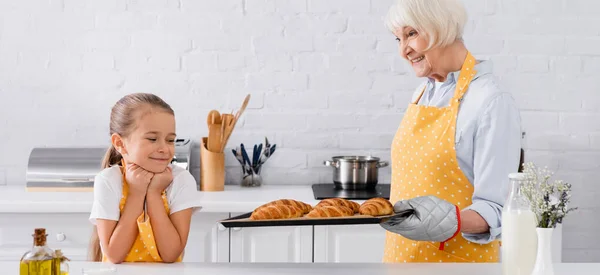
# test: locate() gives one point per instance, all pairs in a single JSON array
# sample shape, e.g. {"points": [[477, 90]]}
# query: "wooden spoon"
{"points": [[228, 121], [214, 131], [213, 115], [243, 108], [234, 120]]}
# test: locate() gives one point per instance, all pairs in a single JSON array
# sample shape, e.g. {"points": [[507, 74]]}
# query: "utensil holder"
{"points": [[252, 179], [212, 169]]}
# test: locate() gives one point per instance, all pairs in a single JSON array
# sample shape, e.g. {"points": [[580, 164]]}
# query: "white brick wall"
{"points": [[324, 75]]}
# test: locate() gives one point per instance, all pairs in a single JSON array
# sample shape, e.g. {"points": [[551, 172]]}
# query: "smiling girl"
{"points": [[142, 204]]}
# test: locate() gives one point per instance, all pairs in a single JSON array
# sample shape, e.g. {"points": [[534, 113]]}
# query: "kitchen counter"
{"points": [[289, 268], [16, 199]]}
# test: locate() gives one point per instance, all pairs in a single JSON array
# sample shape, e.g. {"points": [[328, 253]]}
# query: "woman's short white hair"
{"points": [[441, 21]]}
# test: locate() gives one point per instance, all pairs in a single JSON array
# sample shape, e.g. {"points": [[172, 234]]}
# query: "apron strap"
{"points": [[421, 95], [467, 73], [125, 185], [465, 77]]}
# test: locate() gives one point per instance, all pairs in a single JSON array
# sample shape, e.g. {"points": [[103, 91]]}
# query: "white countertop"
{"points": [[309, 268], [16, 199]]}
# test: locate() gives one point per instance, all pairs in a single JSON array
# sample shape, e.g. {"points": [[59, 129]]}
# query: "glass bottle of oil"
{"points": [[40, 260], [61, 265]]}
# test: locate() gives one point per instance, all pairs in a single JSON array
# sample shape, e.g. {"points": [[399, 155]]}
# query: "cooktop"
{"points": [[328, 190]]}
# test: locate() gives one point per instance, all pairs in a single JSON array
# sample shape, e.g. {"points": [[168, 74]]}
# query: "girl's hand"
{"points": [[161, 181], [138, 179]]}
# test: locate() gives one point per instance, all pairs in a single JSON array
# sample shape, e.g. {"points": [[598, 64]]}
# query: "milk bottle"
{"points": [[519, 237]]}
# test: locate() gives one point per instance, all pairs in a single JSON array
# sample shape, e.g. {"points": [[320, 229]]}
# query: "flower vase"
{"points": [[543, 261]]}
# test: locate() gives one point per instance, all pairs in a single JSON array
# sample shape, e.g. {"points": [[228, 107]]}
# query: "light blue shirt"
{"points": [[488, 141]]}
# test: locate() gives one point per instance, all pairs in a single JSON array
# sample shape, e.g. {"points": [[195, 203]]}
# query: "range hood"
{"points": [[74, 168]]}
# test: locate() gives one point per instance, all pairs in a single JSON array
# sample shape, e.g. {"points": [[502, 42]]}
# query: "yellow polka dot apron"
{"points": [[424, 163], [144, 247]]}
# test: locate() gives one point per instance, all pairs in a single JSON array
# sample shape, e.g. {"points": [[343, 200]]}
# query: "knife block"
{"points": [[212, 169]]}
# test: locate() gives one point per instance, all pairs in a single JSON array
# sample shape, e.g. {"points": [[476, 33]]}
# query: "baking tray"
{"points": [[245, 221]]}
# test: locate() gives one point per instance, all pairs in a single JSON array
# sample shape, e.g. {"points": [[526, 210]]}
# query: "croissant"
{"points": [[328, 211], [376, 207], [340, 202], [275, 212], [305, 208]]}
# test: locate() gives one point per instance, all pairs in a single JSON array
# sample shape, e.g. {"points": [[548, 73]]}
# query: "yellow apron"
{"points": [[144, 247], [424, 163]]}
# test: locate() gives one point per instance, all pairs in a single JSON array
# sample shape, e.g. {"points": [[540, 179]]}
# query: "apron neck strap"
{"points": [[467, 72], [125, 184], [421, 94]]}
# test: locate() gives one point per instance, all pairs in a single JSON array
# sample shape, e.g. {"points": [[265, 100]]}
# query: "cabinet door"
{"points": [[208, 240], [349, 244], [69, 232], [287, 244]]}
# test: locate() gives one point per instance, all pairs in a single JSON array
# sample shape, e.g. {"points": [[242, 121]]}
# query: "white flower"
{"points": [[549, 201]]}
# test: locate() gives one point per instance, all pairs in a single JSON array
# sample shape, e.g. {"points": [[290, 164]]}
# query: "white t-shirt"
{"points": [[108, 190]]}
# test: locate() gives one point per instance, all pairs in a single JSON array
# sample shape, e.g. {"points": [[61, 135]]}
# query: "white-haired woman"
{"points": [[458, 140]]}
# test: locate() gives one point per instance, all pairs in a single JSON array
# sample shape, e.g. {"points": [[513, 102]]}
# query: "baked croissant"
{"points": [[305, 208], [340, 202], [275, 212], [376, 207], [328, 211]]}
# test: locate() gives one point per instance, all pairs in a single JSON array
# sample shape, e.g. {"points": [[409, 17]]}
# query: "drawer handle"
{"points": [[237, 228], [221, 227], [61, 237]]}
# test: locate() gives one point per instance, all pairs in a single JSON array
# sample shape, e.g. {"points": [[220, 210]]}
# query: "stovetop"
{"points": [[327, 190]]}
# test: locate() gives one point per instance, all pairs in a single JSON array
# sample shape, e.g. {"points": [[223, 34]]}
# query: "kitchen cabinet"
{"points": [[69, 232], [349, 244], [365, 244], [286, 244], [211, 242], [208, 241]]}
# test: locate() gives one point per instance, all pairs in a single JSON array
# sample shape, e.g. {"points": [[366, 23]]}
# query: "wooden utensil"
{"points": [[241, 111], [234, 121], [222, 136], [243, 108], [214, 131], [227, 127]]}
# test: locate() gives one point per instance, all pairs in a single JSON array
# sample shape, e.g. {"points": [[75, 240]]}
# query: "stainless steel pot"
{"points": [[355, 172]]}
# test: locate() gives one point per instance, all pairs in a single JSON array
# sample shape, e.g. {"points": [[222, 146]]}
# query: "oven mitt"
{"points": [[433, 219]]}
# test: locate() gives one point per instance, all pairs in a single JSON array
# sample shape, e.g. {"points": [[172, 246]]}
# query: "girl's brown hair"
{"points": [[123, 118]]}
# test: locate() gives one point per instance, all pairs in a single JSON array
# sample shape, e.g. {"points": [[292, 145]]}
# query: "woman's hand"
{"points": [[138, 179], [161, 181]]}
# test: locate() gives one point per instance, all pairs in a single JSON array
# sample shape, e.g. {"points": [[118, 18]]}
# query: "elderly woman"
{"points": [[458, 141]]}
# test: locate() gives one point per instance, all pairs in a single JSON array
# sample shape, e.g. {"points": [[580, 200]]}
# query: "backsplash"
{"points": [[324, 75]]}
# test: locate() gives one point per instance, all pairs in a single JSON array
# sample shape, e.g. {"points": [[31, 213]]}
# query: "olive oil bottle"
{"points": [[41, 260], [60, 263]]}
